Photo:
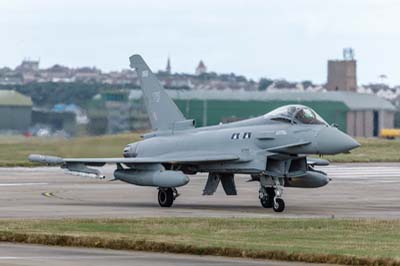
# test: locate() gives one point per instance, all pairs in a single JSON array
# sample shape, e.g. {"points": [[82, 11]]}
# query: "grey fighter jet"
{"points": [[271, 149]]}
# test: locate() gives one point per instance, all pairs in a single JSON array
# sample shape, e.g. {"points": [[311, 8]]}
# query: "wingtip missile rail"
{"points": [[50, 160]]}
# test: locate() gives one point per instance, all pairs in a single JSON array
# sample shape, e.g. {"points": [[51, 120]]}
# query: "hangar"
{"points": [[360, 115], [15, 110]]}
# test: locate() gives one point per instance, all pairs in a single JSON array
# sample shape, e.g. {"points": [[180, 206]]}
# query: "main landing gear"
{"points": [[166, 196], [271, 192], [267, 197]]}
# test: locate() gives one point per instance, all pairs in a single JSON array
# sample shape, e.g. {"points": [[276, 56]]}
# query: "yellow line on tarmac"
{"points": [[53, 195], [48, 194]]}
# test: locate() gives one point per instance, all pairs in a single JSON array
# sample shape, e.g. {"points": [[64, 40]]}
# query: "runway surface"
{"points": [[356, 190], [34, 255]]}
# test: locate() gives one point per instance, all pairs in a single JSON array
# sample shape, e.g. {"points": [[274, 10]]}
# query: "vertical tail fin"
{"points": [[162, 111]]}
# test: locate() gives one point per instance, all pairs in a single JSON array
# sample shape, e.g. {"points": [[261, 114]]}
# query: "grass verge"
{"points": [[349, 242], [371, 150], [15, 150]]}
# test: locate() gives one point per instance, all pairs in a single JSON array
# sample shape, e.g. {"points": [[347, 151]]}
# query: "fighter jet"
{"points": [[272, 149]]}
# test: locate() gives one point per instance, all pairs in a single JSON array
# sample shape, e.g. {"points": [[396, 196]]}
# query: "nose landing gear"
{"points": [[271, 191], [279, 205]]}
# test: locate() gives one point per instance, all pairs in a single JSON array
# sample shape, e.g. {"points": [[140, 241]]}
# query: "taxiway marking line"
{"points": [[53, 195], [22, 184], [48, 194]]}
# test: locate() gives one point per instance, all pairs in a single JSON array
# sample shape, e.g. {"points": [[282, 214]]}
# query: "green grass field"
{"points": [[15, 150], [371, 150], [313, 240]]}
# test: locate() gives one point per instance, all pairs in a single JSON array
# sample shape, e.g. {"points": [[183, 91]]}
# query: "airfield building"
{"points": [[112, 112], [15, 110], [342, 74]]}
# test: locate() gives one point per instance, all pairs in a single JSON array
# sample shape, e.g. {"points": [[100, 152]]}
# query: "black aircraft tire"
{"points": [[267, 202], [279, 206], [165, 197]]}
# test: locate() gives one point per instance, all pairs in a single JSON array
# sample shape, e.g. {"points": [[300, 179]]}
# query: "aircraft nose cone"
{"points": [[331, 140]]}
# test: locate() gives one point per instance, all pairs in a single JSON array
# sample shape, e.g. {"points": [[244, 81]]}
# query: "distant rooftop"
{"points": [[13, 98], [354, 101]]}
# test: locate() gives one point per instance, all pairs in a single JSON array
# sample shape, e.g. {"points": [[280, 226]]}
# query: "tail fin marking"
{"points": [[162, 111]]}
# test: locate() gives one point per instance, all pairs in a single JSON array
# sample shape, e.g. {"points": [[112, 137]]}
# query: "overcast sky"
{"points": [[276, 38]]}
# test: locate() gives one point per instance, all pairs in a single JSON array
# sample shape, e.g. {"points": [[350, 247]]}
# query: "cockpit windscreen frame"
{"points": [[296, 114]]}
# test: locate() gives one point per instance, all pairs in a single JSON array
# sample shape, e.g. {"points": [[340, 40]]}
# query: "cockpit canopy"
{"points": [[295, 114]]}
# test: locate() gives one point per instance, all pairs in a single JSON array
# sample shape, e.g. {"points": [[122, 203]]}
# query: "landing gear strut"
{"points": [[271, 192], [166, 196], [267, 197]]}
